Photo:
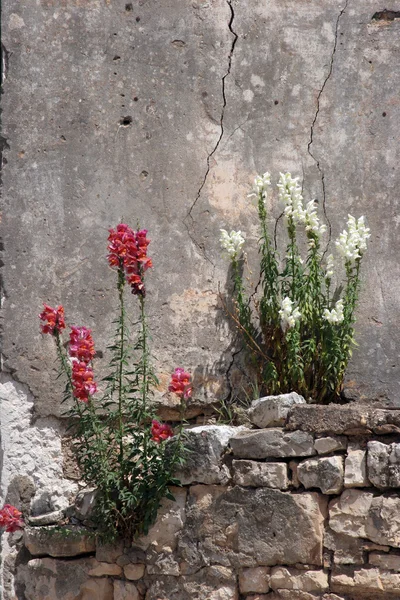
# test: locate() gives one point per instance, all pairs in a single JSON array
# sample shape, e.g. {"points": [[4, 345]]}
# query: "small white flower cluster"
{"points": [[329, 267], [232, 243], [288, 315], [290, 195], [352, 242], [260, 186], [312, 220], [336, 314]]}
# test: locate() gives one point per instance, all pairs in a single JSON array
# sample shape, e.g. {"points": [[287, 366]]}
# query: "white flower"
{"points": [[260, 186], [290, 195], [329, 267], [336, 314], [288, 315], [312, 220], [232, 243], [353, 242]]}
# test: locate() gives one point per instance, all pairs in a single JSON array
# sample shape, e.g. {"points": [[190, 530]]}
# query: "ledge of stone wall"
{"points": [[303, 506]]}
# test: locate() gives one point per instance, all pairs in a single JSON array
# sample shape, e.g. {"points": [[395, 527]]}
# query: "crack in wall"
{"points": [[221, 135], [310, 143]]}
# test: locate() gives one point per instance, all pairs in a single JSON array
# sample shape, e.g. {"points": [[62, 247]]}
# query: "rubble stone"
{"points": [[386, 562], [134, 571], [384, 465], [294, 579], [383, 525], [259, 474], [325, 473], [348, 514], [124, 590], [271, 411], [254, 579], [271, 443], [325, 445], [355, 469], [57, 542]]}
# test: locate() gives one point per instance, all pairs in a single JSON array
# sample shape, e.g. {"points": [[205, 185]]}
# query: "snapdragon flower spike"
{"points": [[83, 384], [260, 186], [291, 197], [160, 431], [329, 267], [128, 252], [289, 316], [232, 243], [81, 345], [53, 319], [353, 242], [10, 518], [181, 384], [311, 220], [335, 315]]}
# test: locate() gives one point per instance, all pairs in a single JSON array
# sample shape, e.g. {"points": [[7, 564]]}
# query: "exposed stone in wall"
{"points": [[262, 535]]}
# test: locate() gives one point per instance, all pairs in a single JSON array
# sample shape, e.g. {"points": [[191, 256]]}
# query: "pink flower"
{"points": [[81, 345], [83, 384], [181, 383], [160, 431], [53, 319], [10, 518], [128, 251]]}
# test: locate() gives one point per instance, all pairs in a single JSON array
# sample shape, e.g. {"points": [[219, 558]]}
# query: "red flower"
{"points": [[81, 345], [128, 251], [181, 384], [160, 431], [53, 319], [10, 518], [83, 384]]}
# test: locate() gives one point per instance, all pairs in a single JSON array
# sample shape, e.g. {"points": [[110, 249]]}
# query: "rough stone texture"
{"points": [[211, 583], [383, 525], [325, 473], [254, 580], [53, 541], [348, 550], [341, 419], [384, 465], [293, 579], [257, 474], [134, 572], [48, 519], [367, 584], [100, 569], [348, 514], [206, 445], [245, 527], [325, 445], [109, 553], [125, 591], [386, 562], [271, 443], [355, 469], [271, 411]]}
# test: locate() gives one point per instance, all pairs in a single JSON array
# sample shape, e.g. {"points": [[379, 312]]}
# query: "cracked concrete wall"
{"points": [[210, 93]]}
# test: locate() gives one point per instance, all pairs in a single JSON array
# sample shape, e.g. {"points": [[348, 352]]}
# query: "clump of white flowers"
{"points": [[336, 314], [353, 241], [311, 219], [290, 195], [289, 315], [260, 186], [330, 263], [232, 243]]}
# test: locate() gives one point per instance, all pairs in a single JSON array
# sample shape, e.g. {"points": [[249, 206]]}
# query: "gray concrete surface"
{"points": [[210, 93]]}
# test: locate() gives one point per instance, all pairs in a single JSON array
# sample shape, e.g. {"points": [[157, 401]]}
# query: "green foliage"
{"points": [[299, 335]]}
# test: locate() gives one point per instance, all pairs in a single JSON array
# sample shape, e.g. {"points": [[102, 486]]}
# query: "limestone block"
{"points": [[386, 562], [384, 465], [348, 514], [291, 595], [170, 520], [347, 550], [164, 563], [210, 583], [55, 541], [249, 527], [383, 524], [100, 569], [254, 580], [125, 590], [47, 519], [325, 473], [371, 582], [325, 445], [272, 443], [294, 579], [259, 474], [109, 553], [271, 411], [84, 504], [355, 469], [97, 589], [206, 445], [134, 572]]}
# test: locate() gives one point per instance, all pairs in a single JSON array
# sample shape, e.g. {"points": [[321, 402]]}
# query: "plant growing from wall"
{"points": [[121, 448], [299, 331]]}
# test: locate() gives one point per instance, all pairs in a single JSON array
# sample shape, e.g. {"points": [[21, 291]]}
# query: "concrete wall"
{"points": [[215, 91]]}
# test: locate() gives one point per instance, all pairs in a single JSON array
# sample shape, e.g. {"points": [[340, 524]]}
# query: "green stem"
{"points": [[144, 379], [121, 286]]}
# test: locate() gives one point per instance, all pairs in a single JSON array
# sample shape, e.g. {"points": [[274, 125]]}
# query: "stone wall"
{"points": [[301, 504]]}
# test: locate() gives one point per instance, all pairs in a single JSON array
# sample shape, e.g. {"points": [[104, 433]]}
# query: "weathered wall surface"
{"points": [[275, 512], [163, 113]]}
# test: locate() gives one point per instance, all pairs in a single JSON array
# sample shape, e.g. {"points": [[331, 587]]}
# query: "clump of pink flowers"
{"points": [[128, 253], [81, 345], [53, 319], [10, 518], [83, 384], [160, 431], [181, 384]]}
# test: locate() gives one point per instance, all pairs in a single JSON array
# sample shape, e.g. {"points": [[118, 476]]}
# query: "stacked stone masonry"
{"points": [[303, 504]]}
